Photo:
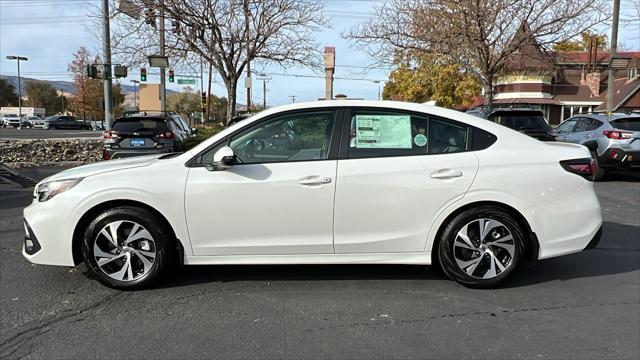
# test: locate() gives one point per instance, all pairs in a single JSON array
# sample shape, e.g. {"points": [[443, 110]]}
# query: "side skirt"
{"points": [[414, 258]]}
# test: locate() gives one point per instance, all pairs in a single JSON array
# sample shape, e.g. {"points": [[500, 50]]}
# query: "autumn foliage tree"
{"points": [[88, 100], [583, 43], [430, 77]]}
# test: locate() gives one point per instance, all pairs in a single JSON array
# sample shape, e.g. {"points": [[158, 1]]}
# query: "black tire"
{"points": [[52, 127], [599, 171], [161, 239], [447, 257]]}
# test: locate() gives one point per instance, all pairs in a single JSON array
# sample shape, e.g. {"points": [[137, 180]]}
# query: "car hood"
{"points": [[105, 166]]}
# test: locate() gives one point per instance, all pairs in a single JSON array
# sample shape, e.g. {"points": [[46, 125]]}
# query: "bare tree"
{"points": [[227, 34], [483, 35]]}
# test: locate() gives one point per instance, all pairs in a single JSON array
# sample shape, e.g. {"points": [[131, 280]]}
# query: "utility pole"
{"points": [[293, 98], [208, 112], [163, 86], [106, 54], [612, 54], [18, 59], [202, 120], [245, 5], [62, 99], [264, 79]]}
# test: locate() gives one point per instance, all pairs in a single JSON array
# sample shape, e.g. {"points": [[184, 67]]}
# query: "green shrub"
{"points": [[204, 133]]}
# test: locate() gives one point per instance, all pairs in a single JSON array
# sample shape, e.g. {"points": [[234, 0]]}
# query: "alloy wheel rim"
{"points": [[124, 250], [484, 248]]}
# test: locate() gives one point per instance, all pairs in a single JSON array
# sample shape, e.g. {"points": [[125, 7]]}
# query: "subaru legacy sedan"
{"points": [[330, 182]]}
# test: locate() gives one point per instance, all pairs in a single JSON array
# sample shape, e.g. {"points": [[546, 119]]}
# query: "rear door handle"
{"points": [[446, 174], [315, 180]]}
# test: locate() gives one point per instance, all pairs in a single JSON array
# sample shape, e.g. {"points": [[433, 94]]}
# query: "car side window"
{"points": [[566, 127], [595, 124], [384, 134], [296, 137], [582, 124]]}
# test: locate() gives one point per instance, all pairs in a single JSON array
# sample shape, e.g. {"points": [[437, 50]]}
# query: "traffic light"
{"points": [[92, 71], [143, 74], [171, 77], [204, 97]]}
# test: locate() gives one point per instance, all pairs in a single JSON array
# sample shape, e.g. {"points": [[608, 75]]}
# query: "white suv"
{"points": [[10, 120], [328, 182]]}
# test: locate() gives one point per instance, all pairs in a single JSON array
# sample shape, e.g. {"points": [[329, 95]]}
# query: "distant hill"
{"points": [[66, 86]]}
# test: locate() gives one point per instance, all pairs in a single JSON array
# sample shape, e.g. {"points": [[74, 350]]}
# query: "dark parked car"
{"points": [[65, 122], [525, 120], [144, 134]]}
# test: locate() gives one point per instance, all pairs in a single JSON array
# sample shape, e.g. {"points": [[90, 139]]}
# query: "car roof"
{"points": [[605, 117]]}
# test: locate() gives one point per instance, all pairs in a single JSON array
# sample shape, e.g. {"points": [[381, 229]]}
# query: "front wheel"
{"points": [[126, 248], [481, 246]]}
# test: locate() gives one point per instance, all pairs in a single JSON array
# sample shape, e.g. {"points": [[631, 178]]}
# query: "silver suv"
{"points": [[614, 140]]}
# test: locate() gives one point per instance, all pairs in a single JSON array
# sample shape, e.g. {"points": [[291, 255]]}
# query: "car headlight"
{"points": [[46, 191]]}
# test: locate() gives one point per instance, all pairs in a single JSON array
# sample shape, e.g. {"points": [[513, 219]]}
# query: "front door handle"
{"points": [[446, 174], [315, 180]]}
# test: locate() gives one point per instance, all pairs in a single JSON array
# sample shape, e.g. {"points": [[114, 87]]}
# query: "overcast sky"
{"points": [[48, 32]]}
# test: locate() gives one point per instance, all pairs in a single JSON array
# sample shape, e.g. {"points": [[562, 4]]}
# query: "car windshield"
{"points": [[631, 124], [11, 115], [129, 125], [520, 120]]}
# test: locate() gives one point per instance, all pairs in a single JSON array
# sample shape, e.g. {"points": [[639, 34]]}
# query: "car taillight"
{"points": [[105, 155], [617, 134], [584, 167], [166, 135], [110, 134]]}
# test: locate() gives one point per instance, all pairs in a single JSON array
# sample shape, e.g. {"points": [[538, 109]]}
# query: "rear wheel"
{"points": [[127, 248], [481, 246], [599, 173]]}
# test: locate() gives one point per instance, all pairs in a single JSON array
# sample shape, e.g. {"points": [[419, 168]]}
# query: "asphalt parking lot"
{"points": [[585, 305], [26, 133]]}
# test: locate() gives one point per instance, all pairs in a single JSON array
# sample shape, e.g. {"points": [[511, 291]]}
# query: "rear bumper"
{"points": [[122, 153], [596, 239], [620, 159]]}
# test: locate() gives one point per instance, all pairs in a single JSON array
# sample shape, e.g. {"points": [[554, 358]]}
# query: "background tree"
{"points": [[227, 34], [481, 35], [44, 95], [583, 43], [186, 103], [8, 93], [85, 103], [427, 77]]}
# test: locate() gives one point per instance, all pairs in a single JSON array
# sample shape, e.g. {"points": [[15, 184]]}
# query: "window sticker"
{"points": [[383, 132], [420, 140]]}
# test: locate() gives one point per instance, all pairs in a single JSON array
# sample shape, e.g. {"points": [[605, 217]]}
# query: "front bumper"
{"points": [[49, 225]]}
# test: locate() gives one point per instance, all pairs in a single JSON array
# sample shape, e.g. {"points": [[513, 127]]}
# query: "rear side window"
{"points": [[139, 125], [385, 134], [631, 124], [520, 120]]}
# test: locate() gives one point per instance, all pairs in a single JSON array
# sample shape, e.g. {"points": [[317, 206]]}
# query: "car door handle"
{"points": [[315, 180], [446, 174]]}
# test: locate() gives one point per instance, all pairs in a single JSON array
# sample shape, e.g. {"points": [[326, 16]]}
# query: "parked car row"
{"points": [[614, 141], [55, 122]]}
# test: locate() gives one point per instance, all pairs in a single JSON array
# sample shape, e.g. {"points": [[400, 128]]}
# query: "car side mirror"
{"points": [[223, 159]]}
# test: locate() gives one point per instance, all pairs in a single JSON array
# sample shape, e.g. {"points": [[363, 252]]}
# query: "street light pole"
{"points": [[135, 93], [62, 99], [163, 85], [17, 59]]}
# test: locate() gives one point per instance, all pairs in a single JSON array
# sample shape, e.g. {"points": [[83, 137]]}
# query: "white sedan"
{"points": [[330, 182]]}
